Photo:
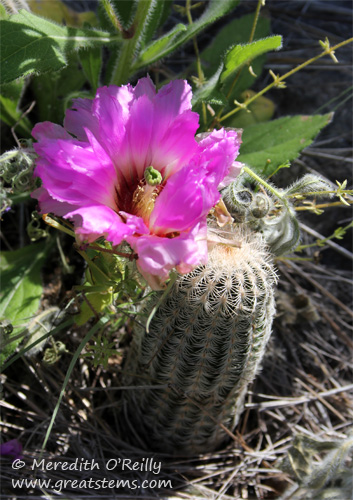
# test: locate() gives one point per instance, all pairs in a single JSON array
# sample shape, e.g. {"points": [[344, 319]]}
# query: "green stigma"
{"points": [[152, 176]]}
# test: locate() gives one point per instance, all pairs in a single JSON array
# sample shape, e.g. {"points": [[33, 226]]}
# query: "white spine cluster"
{"points": [[204, 346]]}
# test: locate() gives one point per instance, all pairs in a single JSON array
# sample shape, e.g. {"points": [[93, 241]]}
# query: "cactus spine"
{"points": [[204, 346]]}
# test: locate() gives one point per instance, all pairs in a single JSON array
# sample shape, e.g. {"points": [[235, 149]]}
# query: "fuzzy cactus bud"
{"points": [[204, 346], [310, 183], [260, 206], [239, 199], [274, 218]]}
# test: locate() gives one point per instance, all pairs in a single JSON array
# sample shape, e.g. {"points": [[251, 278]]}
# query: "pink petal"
{"points": [[190, 193], [150, 139], [75, 174], [48, 204], [135, 152], [47, 130], [171, 101], [174, 126], [218, 151], [134, 223], [157, 256], [185, 199], [175, 147], [79, 118], [234, 171], [146, 87], [123, 130], [94, 221], [111, 107]]}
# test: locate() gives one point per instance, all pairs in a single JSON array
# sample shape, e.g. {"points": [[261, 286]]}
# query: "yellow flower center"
{"points": [[145, 195]]}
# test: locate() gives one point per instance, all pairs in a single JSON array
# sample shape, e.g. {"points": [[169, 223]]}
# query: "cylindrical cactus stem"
{"points": [[204, 346]]}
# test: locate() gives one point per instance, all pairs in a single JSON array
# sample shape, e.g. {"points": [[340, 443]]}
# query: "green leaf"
{"points": [[103, 268], [91, 62], [267, 145], [31, 44], [236, 32], [157, 16], [58, 11], [242, 54], [103, 273], [216, 9], [13, 90], [165, 7], [153, 51], [99, 301], [10, 96], [216, 98], [206, 91], [124, 10], [3, 13], [21, 287], [52, 89], [261, 110]]}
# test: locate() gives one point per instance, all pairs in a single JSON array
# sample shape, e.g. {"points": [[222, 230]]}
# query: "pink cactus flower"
{"points": [[127, 166]]}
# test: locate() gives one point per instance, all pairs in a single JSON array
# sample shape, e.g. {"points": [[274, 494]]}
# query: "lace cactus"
{"points": [[204, 346]]}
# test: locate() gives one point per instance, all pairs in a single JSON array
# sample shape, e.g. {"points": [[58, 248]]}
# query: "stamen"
{"points": [[143, 200]]}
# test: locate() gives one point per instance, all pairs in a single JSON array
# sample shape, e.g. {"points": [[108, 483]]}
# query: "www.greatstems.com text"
{"points": [[144, 465]]}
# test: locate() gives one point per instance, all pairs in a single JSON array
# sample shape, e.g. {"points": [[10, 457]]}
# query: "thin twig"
{"points": [[331, 244]]}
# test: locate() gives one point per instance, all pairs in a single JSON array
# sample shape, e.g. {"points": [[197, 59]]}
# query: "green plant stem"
{"points": [[256, 18], [130, 256], [53, 223], [319, 193], [200, 73], [286, 75], [66, 268], [260, 3], [19, 198], [321, 242], [130, 45], [197, 53], [266, 185], [323, 205]]}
